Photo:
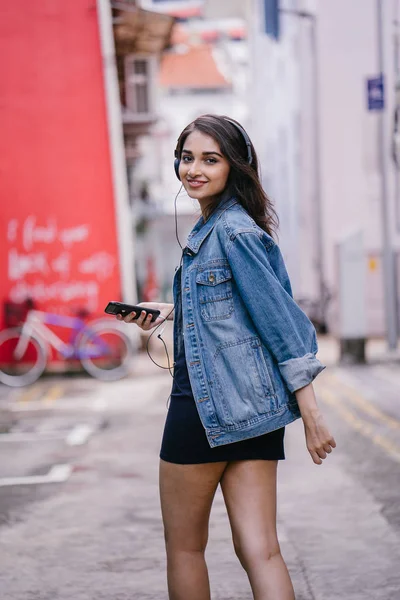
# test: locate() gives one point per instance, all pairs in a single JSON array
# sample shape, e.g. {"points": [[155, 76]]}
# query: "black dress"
{"points": [[184, 440]]}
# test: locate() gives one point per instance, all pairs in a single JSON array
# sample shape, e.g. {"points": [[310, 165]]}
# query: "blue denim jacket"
{"points": [[248, 345]]}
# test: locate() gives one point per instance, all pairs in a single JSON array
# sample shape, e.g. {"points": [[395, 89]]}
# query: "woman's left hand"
{"points": [[319, 440]]}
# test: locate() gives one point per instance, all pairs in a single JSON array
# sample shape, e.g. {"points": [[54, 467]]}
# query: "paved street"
{"points": [[79, 507]]}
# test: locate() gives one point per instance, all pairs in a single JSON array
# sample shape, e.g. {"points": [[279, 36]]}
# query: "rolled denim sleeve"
{"points": [[263, 284]]}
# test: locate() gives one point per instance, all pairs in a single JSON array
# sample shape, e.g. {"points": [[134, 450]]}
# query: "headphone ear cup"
{"points": [[176, 167]]}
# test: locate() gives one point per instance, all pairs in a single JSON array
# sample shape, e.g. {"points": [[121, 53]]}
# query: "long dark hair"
{"points": [[243, 181]]}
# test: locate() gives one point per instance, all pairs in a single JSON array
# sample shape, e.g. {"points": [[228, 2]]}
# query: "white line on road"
{"points": [[79, 435], [100, 404], [57, 474]]}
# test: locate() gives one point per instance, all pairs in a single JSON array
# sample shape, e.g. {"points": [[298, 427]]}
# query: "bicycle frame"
{"points": [[36, 324]]}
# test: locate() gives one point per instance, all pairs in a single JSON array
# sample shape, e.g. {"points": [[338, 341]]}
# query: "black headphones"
{"points": [[245, 137]]}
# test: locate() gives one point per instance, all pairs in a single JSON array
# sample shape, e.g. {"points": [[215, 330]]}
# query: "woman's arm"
{"points": [[284, 329], [281, 324], [319, 440]]}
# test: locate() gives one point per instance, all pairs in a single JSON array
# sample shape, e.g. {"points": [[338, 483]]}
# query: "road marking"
{"points": [[387, 373], [57, 474], [64, 404], [52, 394], [366, 429], [359, 400], [79, 435], [28, 394], [100, 404]]}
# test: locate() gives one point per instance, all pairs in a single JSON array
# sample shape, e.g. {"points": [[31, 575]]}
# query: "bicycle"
{"points": [[103, 350]]}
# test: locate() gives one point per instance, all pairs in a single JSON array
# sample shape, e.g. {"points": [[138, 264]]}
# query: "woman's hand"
{"points": [[144, 323], [319, 440]]}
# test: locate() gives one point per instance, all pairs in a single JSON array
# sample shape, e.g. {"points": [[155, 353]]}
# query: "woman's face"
{"points": [[202, 169]]}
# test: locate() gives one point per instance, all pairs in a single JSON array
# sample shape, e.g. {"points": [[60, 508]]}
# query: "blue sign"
{"points": [[376, 93], [271, 18]]}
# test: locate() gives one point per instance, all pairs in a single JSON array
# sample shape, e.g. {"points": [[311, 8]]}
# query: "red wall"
{"points": [[58, 240]]}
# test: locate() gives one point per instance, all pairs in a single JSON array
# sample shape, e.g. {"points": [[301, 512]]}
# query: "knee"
{"points": [[188, 544], [252, 552]]}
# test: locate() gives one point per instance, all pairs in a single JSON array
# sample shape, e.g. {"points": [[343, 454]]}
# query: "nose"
{"points": [[194, 169]]}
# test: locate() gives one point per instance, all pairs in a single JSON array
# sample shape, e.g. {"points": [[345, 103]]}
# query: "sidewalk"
{"points": [[99, 536], [376, 350]]}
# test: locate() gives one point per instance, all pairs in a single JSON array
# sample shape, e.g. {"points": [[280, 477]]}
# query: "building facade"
{"points": [[204, 71], [344, 177]]}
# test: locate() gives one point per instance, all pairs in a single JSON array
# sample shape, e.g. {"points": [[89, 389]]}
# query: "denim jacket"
{"points": [[248, 345]]}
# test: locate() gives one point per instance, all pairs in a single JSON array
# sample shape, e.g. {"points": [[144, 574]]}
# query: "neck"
{"points": [[206, 203]]}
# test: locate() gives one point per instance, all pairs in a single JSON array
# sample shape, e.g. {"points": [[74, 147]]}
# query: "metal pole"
{"points": [[317, 173], [396, 132], [388, 264]]}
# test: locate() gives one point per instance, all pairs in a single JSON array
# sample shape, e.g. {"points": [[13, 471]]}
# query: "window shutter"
{"points": [[138, 84]]}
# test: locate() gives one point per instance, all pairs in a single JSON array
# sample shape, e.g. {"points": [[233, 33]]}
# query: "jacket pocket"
{"points": [[214, 288], [242, 385]]}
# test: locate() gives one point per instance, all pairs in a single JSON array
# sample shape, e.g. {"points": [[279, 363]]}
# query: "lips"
{"points": [[195, 183]]}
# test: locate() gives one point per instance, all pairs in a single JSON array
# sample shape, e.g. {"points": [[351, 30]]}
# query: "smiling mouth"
{"points": [[196, 182]]}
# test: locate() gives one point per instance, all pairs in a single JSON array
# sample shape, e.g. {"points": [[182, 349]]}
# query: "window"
{"points": [[139, 76]]}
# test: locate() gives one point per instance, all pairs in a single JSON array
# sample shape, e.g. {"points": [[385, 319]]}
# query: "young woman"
{"points": [[244, 362]]}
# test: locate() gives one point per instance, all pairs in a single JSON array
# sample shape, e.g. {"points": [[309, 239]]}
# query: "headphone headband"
{"points": [[244, 135]]}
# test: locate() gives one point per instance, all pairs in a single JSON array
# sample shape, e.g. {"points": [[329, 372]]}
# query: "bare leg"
{"points": [[187, 492], [249, 489]]}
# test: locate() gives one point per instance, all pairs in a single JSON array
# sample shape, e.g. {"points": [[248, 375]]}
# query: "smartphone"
{"points": [[119, 308]]}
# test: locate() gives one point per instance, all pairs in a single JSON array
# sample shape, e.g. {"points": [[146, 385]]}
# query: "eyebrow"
{"points": [[204, 153]]}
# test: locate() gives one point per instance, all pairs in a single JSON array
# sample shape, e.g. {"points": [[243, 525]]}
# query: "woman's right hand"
{"points": [[166, 313], [320, 442]]}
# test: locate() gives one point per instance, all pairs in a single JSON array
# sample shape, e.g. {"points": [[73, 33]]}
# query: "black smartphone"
{"points": [[119, 308]]}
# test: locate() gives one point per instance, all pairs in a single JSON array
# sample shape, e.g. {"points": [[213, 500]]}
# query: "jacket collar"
{"points": [[202, 229]]}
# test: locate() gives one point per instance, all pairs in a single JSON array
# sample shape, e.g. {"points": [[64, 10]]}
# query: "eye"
{"points": [[211, 161], [186, 159]]}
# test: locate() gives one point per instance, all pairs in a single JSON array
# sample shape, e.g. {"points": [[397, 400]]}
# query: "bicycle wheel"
{"points": [[28, 367], [104, 351]]}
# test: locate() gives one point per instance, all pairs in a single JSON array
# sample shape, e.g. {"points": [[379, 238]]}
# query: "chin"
{"points": [[195, 194]]}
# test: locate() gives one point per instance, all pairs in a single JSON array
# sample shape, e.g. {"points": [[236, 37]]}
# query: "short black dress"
{"points": [[184, 440]]}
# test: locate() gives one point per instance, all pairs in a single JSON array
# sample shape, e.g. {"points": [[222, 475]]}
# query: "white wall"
{"points": [[156, 164], [176, 111], [350, 167], [351, 193], [275, 107]]}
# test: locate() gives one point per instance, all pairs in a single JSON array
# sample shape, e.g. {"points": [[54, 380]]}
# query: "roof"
{"points": [[137, 30], [185, 12], [209, 32], [195, 68]]}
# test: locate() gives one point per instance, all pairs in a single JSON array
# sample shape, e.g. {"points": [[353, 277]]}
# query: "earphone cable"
{"points": [[169, 367], [176, 218], [173, 308]]}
